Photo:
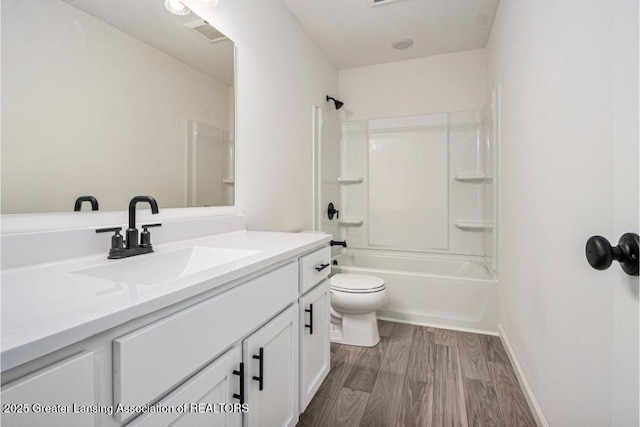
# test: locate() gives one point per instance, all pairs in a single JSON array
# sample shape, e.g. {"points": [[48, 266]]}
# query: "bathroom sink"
{"points": [[157, 268]]}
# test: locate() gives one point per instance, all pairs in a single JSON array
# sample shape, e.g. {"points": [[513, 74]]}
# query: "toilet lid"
{"points": [[356, 283]]}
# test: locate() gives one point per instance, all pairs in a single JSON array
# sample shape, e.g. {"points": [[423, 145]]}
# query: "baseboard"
{"points": [[421, 320], [528, 393]]}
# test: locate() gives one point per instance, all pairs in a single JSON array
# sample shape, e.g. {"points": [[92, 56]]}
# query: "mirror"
{"points": [[114, 98]]}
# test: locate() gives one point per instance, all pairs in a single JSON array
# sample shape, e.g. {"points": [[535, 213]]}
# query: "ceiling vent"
{"points": [[203, 29], [373, 3]]}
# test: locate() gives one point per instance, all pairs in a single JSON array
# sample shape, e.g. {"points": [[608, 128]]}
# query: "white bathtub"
{"points": [[445, 293]]}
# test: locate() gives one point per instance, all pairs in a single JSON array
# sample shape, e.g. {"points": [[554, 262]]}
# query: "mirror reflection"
{"points": [[111, 99]]}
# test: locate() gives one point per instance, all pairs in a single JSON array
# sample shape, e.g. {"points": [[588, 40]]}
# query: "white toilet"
{"points": [[354, 301]]}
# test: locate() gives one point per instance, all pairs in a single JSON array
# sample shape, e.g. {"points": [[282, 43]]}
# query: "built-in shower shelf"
{"points": [[473, 177], [228, 182], [350, 222], [473, 225], [346, 180]]}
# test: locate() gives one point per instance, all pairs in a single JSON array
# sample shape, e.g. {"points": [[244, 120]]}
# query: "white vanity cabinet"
{"points": [[53, 396], [267, 364], [250, 343], [151, 360], [271, 366]]}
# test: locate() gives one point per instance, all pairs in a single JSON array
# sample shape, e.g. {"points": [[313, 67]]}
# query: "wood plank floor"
{"points": [[420, 376]]}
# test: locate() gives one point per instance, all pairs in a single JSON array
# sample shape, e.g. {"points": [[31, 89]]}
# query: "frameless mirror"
{"points": [[112, 99]]}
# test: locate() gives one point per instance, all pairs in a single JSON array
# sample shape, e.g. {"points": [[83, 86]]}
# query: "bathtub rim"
{"points": [[492, 277], [408, 254]]}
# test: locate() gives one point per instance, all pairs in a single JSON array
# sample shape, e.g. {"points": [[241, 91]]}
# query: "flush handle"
{"points": [[310, 325], [260, 377], [600, 254]]}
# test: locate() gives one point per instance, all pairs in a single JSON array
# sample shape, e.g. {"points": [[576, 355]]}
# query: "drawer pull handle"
{"points": [[310, 325], [240, 373], [260, 378], [322, 267]]}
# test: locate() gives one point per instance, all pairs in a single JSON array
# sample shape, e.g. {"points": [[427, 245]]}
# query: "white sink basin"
{"points": [[155, 268]]}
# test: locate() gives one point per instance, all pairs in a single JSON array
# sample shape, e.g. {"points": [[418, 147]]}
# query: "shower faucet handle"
{"points": [[331, 211]]}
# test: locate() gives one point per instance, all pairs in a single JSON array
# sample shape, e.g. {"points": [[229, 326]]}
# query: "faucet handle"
{"points": [[117, 242], [116, 230], [145, 236], [144, 227]]}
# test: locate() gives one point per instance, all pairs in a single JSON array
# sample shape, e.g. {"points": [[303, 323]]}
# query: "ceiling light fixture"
{"points": [[176, 7], [402, 44]]}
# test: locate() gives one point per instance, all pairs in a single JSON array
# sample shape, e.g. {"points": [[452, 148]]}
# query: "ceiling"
{"points": [[150, 22], [354, 34]]}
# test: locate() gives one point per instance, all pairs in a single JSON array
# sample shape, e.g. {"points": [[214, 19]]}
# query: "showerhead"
{"points": [[337, 103]]}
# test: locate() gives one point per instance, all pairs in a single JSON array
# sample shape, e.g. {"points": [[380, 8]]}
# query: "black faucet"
{"points": [[132, 246], [132, 231], [78, 205]]}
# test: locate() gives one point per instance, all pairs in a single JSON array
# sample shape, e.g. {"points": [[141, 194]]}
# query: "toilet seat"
{"points": [[356, 283]]}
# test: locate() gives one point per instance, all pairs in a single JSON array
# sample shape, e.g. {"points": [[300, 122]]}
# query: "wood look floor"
{"points": [[420, 376]]}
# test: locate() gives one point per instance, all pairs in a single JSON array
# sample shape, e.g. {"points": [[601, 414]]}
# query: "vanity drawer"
{"points": [[309, 265], [153, 359]]}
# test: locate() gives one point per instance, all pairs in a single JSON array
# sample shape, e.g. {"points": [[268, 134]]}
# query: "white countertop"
{"points": [[46, 307]]}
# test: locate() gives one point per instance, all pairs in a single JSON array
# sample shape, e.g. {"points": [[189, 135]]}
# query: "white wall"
{"points": [[281, 73], [555, 65], [88, 109], [436, 84]]}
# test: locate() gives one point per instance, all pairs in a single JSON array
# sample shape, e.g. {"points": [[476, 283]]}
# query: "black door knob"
{"points": [[601, 254]]}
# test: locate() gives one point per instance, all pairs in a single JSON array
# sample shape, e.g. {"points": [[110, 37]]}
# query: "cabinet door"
{"points": [[271, 363], [205, 396], [314, 342], [66, 386]]}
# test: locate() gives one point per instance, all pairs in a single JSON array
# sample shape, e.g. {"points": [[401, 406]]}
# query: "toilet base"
{"points": [[355, 329]]}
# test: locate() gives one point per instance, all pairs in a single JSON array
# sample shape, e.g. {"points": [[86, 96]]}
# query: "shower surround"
{"points": [[417, 208]]}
